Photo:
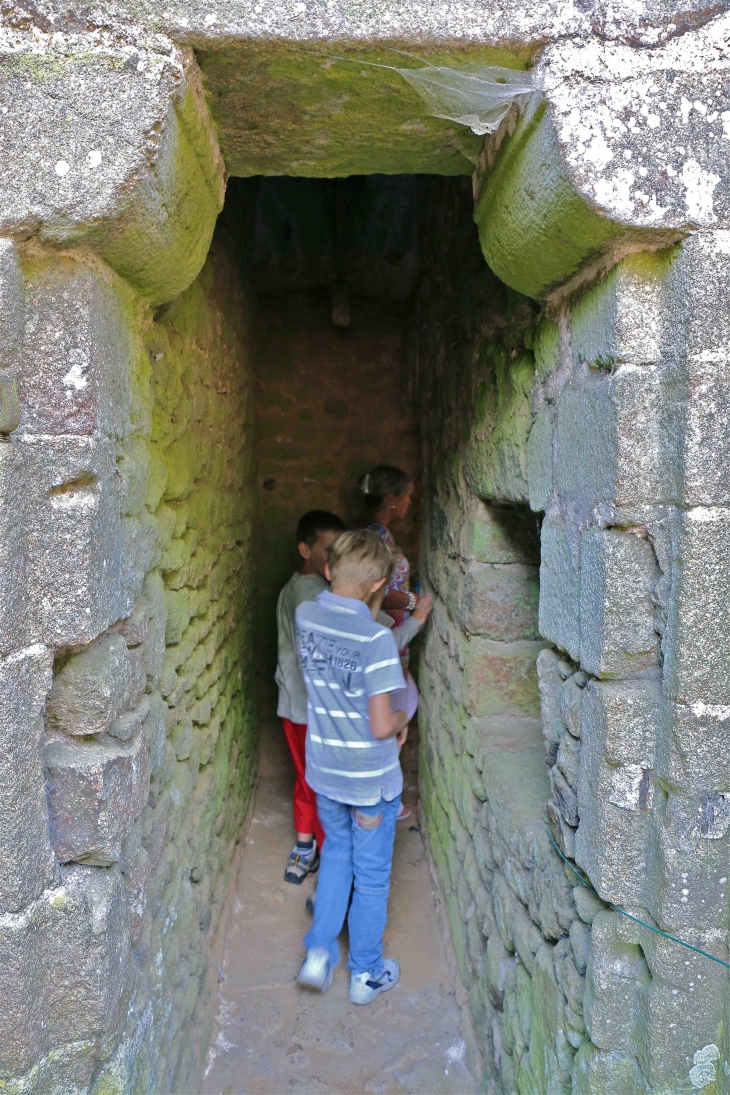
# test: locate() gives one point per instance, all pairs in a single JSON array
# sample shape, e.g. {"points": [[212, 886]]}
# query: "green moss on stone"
{"points": [[535, 229], [287, 110], [161, 239]]}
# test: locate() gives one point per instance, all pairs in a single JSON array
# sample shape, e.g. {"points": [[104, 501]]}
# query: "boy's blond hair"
{"points": [[359, 559]]}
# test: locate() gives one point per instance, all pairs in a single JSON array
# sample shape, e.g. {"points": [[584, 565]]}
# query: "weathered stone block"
{"points": [[147, 199], [618, 574], [580, 941], [550, 684], [695, 754], [68, 1068], [500, 678], [562, 833], [529, 199], [500, 601], [697, 666], [568, 976], [620, 320], [79, 350], [616, 982], [155, 730], [550, 345], [95, 982], [495, 456], [9, 406], [505, 909], [26, 860], [567, 758], [64, 971], [684, 1015], [585, 446], [700, 285], [12, 305], [499, 964], [540, 459], [133, 469], [617, 441], [527, 936], [587, 903], [72, 586], [571, 701], [137, 876], [140, 552], [13, 562], [128, 723], [177, 602], [94, 792], [612, 1073], [511, 758], [619, 724], [564, 797], [559, 616], [92, 688]]}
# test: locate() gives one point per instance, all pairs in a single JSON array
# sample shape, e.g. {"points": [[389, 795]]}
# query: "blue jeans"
{"points": [[358, 844]]}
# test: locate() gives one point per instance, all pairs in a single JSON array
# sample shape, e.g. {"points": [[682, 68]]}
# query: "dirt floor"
{"points": [[274, 1038]]}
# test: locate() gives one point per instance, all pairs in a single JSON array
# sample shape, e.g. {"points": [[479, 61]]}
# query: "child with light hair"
{"points": [[351, 667]]}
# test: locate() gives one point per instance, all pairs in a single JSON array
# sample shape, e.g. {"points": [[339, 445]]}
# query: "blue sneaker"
{"points": [[364, 988], [316, 973], [300, 866]]}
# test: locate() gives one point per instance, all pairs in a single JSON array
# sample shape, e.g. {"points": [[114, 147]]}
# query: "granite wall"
{"points": [[593, 721], [127, 710]]}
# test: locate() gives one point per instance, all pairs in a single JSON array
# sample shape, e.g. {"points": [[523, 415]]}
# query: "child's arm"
{"points": [[385, 723], [407, 631]]}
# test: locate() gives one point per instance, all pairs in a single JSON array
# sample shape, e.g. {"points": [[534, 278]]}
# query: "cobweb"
{"points": [[475, 95], [478, 96]]}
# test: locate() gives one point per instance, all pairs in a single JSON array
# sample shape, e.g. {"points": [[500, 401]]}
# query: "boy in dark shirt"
{"points": [[316, 532]]}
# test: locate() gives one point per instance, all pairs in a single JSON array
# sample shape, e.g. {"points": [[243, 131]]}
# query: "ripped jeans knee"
{"points": [[367, 822]]}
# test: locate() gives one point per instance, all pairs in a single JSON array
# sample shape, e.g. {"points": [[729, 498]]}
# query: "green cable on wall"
{"points": [[616, 908]]}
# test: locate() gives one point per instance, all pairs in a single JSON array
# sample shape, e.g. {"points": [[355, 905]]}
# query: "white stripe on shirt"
{"points": [[381, 665], [356, 775], [343, 744], [337, 714], [345, 634]]}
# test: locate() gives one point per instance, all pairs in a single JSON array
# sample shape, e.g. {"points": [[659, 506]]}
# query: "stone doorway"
{"points": [[579, 384]]}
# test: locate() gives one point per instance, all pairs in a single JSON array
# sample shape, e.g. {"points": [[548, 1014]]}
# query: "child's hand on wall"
{"points": [[424, 607]]}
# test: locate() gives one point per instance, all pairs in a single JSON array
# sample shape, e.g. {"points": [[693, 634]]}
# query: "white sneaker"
{"points": [[316, 973], [364, 988]]}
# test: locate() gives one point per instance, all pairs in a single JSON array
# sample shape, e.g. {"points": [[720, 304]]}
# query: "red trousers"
{"points": [[304, 799]]}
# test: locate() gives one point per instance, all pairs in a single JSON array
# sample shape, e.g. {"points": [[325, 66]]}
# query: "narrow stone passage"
{"points": [[273, 1038]]}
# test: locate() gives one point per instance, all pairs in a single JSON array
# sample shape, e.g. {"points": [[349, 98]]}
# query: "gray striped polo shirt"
{"points": [[346, 658]]}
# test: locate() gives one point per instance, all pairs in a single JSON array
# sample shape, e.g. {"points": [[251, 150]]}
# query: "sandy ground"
{"points": [[273, 1038]]}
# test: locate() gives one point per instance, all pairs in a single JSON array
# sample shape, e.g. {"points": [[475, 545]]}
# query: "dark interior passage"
{"points": [[333, 265]]}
